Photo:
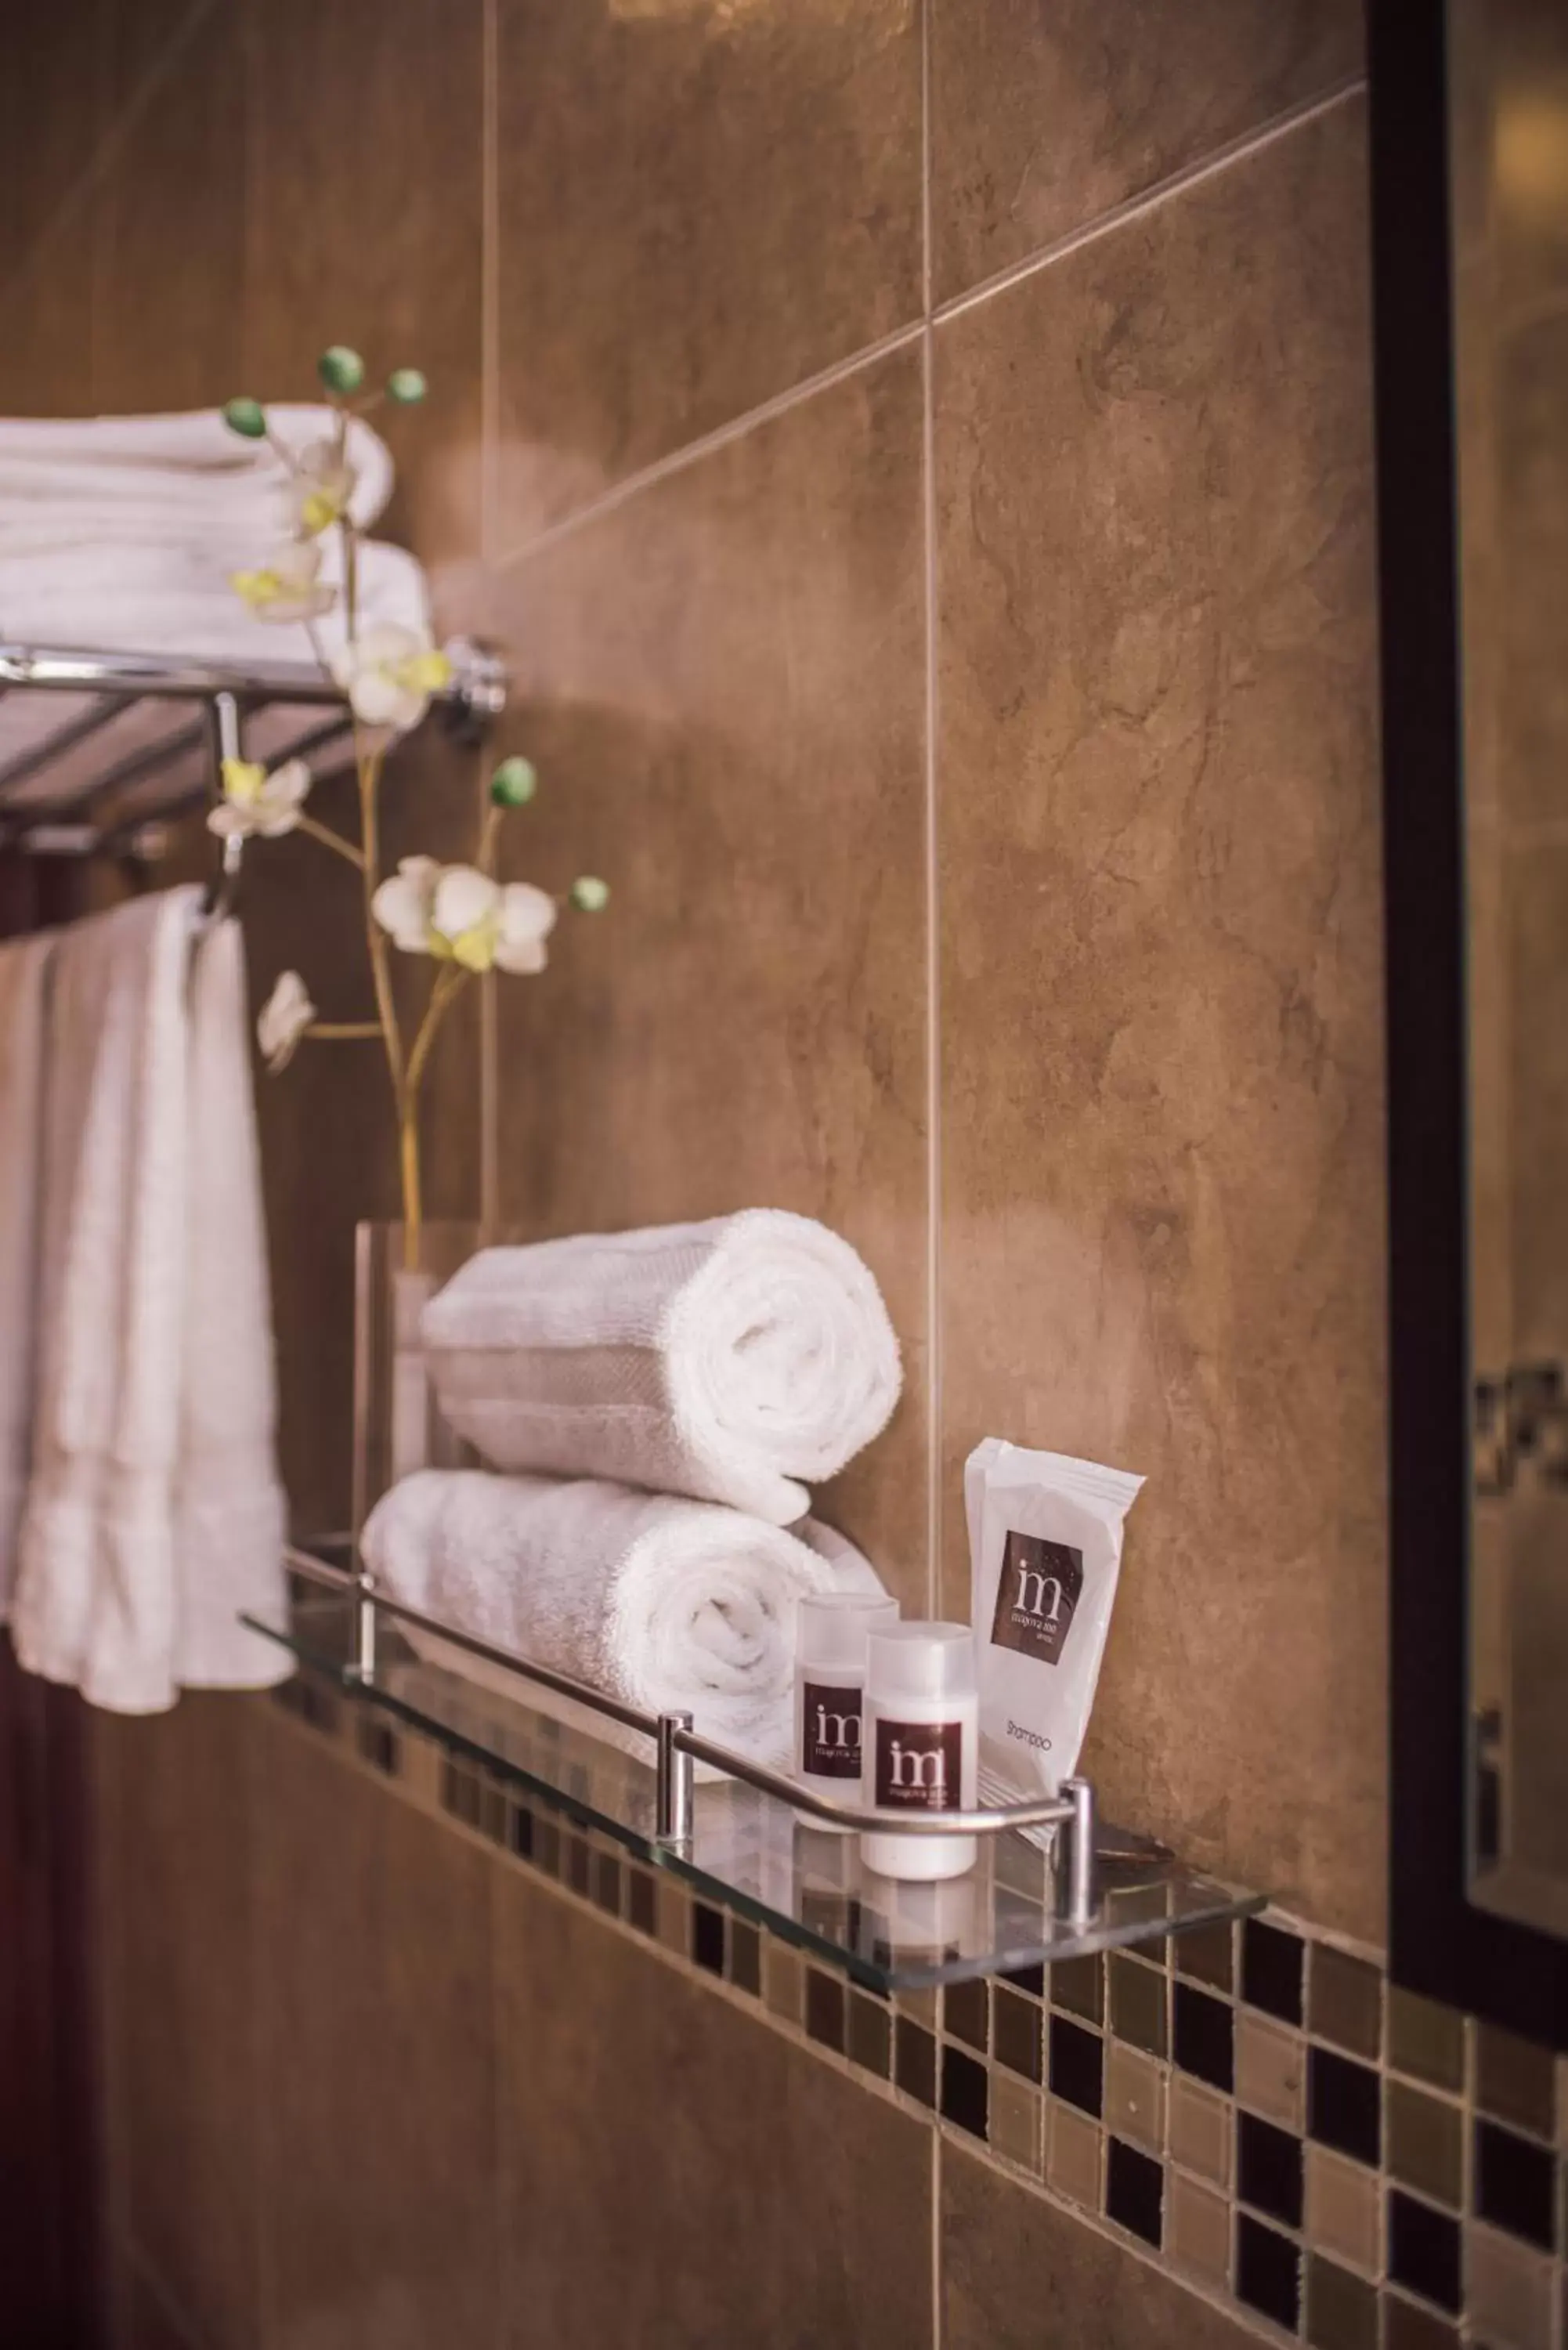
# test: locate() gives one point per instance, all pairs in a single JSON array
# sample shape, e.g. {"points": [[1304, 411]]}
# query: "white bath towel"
{"points": [[148, 1440], [666, 1604], [727, 1361], [24, 968]]}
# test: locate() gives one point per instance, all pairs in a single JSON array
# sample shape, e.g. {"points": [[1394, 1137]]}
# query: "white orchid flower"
{"points": [[390, 674], [458, 914], [256, 801], [284, 1019], [320, 487], [287, 588], [403, 903]]}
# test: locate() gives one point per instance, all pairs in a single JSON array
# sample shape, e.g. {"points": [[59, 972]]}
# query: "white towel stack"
{"points": [[154, 1513], [686, 1381]]}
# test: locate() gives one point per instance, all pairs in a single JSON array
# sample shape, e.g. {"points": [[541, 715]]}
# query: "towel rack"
{"points": [[131, 749]]}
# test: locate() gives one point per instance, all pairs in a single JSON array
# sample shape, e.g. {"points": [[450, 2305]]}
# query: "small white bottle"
{"points": [[921, 1743], [831, 1629]]}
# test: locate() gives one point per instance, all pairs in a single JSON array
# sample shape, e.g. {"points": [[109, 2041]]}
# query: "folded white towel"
{"points": [[151, 1276], [666, 1604], [24, 968], [724, 1361]]}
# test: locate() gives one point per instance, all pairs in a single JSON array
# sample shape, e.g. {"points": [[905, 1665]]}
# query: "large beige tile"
{"points": [[676, 2174], [183, 2091], [363, 225], [46, 351], [55, 107], [167, 283], [1020, 2273], [720, 683], [1042, 119], [1162, 1109], [699, 205], [373, 1984]]}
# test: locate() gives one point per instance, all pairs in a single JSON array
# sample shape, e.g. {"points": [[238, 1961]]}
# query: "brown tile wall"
{"points": [[917, 460]]}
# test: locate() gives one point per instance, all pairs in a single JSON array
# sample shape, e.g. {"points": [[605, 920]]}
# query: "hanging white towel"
{"points": [[132, 1466], [666, 1604], [23, 970], [728, 1361]]}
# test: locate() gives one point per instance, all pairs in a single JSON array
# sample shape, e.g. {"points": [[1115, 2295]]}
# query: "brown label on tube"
{"points": [[919, 1766]]}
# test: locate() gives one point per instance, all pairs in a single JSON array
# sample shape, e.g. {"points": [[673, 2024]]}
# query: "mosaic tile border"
{"points": [[1352, 2166]]}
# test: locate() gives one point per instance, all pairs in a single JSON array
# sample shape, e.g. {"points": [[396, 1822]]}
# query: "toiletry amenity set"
{"points": [[652, 1407]]}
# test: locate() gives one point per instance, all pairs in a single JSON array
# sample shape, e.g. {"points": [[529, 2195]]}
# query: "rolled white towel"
{"points": [[665, 1604], [726, 1361]]}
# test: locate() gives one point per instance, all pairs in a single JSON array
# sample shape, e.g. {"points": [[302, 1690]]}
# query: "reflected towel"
{"points": [[23, 970], [727, 1361], [666, 1604]]}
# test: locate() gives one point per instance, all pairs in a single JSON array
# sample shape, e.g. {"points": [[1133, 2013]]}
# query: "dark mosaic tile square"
{"points": [[607, 1883], [1344, 2105], [825, 2009], [492, 1809], [1137, 2003], [460, 1791], [1017, 2033], [1208, 1954], [1424, 2142], [1268, 2271], [547, 1846], [1272, 1966], [1203, 2036], [579, 1860], [520, 1832], [1077, 2072], [965, 2091], [966, 2013], [380, 1745], [1135, 2190], [642, 1904], [1079, 1986], [1514, 2184], [1516, 2082], [745, 1957], [1407, 2327], [1342, 2309], [1344, 2002], [1269, 2170], [1029, 1979], [708, 1937], [870, 2040], [1424, 2250], [915, 2060]]}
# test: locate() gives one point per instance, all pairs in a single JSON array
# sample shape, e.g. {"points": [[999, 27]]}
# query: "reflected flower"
{"points": [[256, 801], [390, 674], [287, 588], [283, 1020]]}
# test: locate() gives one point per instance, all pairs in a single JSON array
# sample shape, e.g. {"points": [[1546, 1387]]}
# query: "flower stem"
{"points": [[330, 839], [338, 1031], [408, 1162]]}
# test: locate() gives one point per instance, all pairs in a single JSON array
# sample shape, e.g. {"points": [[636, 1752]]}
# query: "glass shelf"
{"points": [[752, 1854]]}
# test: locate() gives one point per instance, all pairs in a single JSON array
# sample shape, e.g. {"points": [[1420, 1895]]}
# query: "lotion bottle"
{"points": [[831, 1631], [921, 1743]]}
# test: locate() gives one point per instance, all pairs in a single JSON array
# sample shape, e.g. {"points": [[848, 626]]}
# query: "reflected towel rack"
{"points": [[117, 759]]}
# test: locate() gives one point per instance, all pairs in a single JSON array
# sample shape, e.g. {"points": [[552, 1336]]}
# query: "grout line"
{"points": [[938, 2325], [488, 280], [1193, 175], [693, 452]]}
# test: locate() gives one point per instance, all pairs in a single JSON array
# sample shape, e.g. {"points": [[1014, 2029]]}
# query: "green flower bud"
{"points": [[406, 385], [246, 417], [340, 369], [513, 784], [589, 895]]}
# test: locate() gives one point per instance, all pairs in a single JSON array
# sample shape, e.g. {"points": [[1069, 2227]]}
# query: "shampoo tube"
{"points": [[1045, 1547]]}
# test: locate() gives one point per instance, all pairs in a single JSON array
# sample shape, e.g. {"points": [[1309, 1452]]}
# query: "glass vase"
{"points": [[398, 1423]]}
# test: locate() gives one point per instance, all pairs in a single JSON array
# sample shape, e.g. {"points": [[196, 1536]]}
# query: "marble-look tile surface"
{"points": [[363, 225], [179, 2003], [701, 205], [675, 2174], [375, 2118], [720, 684], [55, 103], [1162, 1109], [1042, 119], [1019, 2273]]}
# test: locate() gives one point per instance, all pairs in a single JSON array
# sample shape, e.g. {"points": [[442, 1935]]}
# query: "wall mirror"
{"points": [[1470, 132]]}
